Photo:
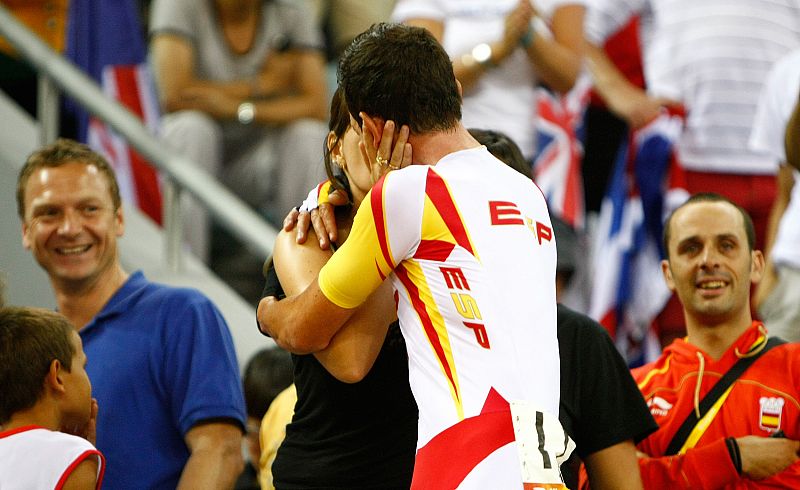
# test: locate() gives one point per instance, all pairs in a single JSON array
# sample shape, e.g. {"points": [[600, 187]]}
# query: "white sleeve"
{"points": [[310, 203]]}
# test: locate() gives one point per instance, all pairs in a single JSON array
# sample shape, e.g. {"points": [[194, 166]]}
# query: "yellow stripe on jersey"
{"points": [[413, 278], [361, 263], [433, 225], [323, 191]]}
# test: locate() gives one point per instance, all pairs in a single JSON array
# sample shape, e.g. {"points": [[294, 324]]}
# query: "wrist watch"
{"points": [[246, 113]]}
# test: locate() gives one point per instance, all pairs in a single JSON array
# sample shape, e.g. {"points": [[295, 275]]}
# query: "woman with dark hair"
{"points": [[345, 434]]}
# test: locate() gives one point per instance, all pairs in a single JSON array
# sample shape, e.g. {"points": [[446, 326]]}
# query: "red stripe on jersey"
{"points": [[437, 250], [376, 201], [18, 430], [437, 191], [80, 459], [473, 440], [148, 193], [380, 272], [427, 324]]}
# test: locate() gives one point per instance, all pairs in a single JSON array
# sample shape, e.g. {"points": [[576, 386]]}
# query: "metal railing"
{"points": [[181, 174]]}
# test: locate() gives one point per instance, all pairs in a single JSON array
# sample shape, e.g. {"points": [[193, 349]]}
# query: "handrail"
{"points": [[232, 213]]}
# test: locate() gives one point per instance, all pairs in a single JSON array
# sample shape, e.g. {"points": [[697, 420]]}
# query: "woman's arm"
{"points": [[352, 351]]}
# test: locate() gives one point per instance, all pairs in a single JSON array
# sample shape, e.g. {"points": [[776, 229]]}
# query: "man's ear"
{"points": [[53, 378], [757, 266], [374, 124], [667, 275], [26, 242], [460, 90], [119, 216]]}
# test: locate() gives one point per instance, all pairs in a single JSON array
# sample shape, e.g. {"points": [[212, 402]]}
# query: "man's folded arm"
{"points": [[303, 323], [708, 467]]}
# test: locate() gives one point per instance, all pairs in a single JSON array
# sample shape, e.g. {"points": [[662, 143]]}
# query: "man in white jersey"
{"points": [[712, 56], [468, 246], [45, 393]]}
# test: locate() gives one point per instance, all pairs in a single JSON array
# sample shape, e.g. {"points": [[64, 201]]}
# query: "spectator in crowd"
{"points": [[748, 431], [243, 86], [163, 365], [47, 413], [500, 50], [778, 294], [464, 359], [266, 375], [720, 98]]}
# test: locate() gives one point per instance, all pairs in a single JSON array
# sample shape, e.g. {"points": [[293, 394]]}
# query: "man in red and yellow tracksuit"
{"points": [[748, 438], [762, 402]]}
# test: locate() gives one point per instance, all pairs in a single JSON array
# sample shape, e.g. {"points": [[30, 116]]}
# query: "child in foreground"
{"points": [[47, 414]]}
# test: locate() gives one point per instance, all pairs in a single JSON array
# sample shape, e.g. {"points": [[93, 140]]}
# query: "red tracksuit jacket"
{"points": [[764, 399]]}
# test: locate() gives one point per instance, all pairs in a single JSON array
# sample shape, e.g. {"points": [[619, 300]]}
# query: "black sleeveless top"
{"points": [[346, 436]]}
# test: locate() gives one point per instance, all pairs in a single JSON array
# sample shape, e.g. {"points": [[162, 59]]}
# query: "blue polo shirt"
{"points": [[161, 359]]}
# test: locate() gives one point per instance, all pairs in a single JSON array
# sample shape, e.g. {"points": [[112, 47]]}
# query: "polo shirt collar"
{"points": [[119, 303]]}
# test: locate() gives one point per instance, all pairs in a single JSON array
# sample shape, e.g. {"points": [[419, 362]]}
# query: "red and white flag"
{"points": [[139, 181]]}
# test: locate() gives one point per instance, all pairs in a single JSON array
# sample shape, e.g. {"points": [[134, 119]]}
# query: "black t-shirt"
{"points": [[342, 436], [600, 402]]}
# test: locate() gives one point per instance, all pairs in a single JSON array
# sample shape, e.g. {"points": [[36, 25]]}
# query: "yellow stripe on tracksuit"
{"points": [[703, 423]]}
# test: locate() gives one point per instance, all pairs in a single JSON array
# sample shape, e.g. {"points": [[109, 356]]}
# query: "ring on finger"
{"points": [[381, 161]]}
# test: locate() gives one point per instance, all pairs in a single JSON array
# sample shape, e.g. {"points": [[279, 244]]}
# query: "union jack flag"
{"points": [[559, 151], [628, 290]]}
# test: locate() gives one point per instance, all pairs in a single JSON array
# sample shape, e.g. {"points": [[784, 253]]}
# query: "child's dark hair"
{"points": [[30, 340]]}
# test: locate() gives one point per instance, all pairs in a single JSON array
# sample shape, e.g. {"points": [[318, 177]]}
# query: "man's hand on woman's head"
{"points": [[384, 147]]}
